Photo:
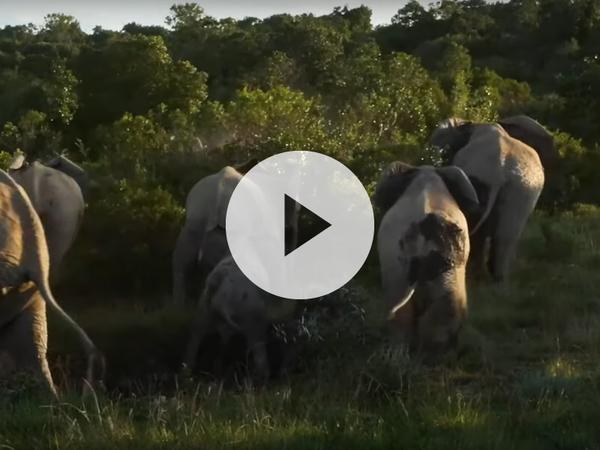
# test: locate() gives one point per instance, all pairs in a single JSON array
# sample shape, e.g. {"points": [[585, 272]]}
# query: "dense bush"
{"points": [[150, 110]]}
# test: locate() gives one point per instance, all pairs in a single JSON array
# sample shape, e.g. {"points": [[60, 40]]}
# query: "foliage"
{"points": [[526, 375], [153, 109], [150, 110]]}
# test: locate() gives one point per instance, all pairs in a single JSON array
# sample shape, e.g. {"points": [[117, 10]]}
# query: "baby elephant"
{"points": [[230, 304], [423, 246]]}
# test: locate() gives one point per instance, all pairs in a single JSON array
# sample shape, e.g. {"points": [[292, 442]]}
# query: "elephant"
{"points": [[68, 167], [58, 201], [534, 134], [509, 177], [423, 247], [24, 258], [201, 242], [230, 304], [206, 208]]}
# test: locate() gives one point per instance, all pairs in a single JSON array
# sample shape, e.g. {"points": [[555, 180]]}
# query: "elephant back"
{"points": [[208, 200], [532, 133]]}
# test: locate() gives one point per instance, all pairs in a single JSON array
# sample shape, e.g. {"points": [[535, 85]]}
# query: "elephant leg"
{"points": [[513, 211], [202, 325], [255, 330], [477, 255], [24, 341], [185, 257]]}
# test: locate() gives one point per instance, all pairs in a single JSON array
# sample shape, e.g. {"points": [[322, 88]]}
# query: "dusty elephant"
{"points": [[508, 176], [58, 201], [24, 258], [201, 241], [230, 304], [423, 247]]}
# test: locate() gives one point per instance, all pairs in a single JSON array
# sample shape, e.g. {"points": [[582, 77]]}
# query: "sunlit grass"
{"points": [[526, 375]]}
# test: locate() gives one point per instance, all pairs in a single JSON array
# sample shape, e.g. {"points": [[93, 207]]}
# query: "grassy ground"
{"points": [[528, 374]]}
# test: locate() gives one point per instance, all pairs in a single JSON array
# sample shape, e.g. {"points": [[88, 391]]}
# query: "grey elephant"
{"points": [[423, 246], [201, 242], [206, 208], [230, 304], [58, 200], [68, 167], [24, 258], [508, 175]]}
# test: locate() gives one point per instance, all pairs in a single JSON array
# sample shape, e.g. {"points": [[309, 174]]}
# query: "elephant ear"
{"points": [[460, 187], [532, 133], [392, 184], [244, 167], [450, 136]]}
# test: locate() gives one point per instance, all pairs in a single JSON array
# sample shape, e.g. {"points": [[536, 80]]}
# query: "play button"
{"points": [[315, 195], [296, 236]]}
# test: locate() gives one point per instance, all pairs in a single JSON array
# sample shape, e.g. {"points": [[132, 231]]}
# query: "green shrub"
{"points": [[127, 239]]}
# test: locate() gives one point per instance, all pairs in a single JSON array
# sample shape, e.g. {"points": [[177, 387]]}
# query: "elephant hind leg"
{"points": [[185, 258], [255, 330], [477, 256], [203, 325], [24, 343], [512, 215]]}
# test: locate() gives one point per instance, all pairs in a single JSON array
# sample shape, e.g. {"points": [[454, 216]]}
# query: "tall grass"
{"points": [[527, 375]]}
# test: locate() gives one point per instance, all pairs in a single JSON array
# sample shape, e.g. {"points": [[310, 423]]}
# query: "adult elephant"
{"points": [[24, 258], [206, 209], [423, 246], [508, 175], [58, 200], [68, 167], [201, 242]]}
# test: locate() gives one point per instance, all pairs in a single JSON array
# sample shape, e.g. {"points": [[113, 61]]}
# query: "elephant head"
{"points": [[450, 136], [68, 167], [399, 175], [532, 133], [423, 248]]}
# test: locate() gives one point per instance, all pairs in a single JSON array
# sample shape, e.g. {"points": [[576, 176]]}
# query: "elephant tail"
{"points": [[402, 302], [488, 209], [94, 356]]}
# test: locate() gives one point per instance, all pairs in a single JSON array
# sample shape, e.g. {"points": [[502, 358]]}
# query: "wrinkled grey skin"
{"points": [[206, 208], [230, 303], [24, 258], [508, 176], [24, 335], [534, 134], [59, 202], [423, 247], [201, 242], [68, 167]]}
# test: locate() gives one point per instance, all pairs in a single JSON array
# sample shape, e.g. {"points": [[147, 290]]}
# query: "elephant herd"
{"points": [[437, 224]]}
